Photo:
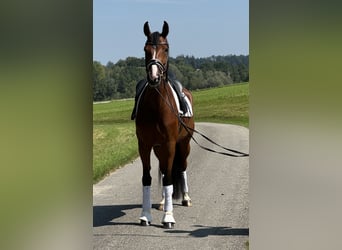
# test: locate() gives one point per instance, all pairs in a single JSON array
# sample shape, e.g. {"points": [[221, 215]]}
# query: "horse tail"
{"points": [[177, 175]]}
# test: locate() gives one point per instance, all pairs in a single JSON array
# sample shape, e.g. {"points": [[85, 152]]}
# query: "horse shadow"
{"points": [[104, 215], [205, 231]]}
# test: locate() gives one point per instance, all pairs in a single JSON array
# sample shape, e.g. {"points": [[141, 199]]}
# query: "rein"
{"points": [[189, 130], [241, 154]]}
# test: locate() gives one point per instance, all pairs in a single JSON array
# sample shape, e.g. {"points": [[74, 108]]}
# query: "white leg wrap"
{"points": [[163, 193], [146, 198], [146, 206], [185, 183], [168, 190]]}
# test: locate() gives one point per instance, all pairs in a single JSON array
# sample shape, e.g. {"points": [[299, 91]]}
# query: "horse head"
{"points": [[156, 54]]}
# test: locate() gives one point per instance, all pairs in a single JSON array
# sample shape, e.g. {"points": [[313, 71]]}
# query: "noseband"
{"points": [[161, 67]]}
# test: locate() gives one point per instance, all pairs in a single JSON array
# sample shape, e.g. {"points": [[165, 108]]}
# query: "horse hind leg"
{"points": [[162, 202], [184, 150], [185, 190]]}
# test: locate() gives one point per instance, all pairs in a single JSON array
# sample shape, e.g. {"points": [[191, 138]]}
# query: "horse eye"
{"points": [[166, 50]]}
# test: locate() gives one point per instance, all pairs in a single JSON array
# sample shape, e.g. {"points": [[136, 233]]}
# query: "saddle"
{"points": [[185, 109]]}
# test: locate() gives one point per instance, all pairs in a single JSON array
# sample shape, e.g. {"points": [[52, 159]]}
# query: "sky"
{"points": [[198, 28]]}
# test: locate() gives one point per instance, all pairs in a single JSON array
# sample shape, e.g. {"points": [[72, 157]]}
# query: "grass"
{"points": [[228, 104], [113, 146], [114, 140]]}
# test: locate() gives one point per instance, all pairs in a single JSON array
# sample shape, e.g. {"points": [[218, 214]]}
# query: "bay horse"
{"points": [[158, 127]]}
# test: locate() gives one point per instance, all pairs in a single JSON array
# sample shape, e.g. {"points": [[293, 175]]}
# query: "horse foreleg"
{"points": [[166, 156], [146, 217], [168, 220]]}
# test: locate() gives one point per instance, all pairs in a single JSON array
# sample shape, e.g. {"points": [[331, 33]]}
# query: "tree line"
{"points": [[116, 81]]}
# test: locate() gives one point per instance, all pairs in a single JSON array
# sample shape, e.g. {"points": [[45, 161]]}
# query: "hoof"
{"points": [[168, 225], [168, 220], [186, 203], [145, 219], [161, 207], [144, 223]]}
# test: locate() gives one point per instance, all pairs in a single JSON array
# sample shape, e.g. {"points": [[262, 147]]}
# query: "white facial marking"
{"points": [[154, 67], [154, 54], [154, 71]]}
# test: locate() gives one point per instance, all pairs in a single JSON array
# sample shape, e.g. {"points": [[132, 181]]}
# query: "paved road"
{"points": [[218, 187]]}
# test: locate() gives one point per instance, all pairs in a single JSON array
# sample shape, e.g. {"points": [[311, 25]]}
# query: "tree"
{"points": [[118, 80], [98, 81]]}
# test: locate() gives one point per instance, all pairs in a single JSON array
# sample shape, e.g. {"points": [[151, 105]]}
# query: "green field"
{"points": [[114, 140]]}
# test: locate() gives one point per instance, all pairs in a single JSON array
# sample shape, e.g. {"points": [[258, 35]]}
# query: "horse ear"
{"points": [[147, 31], [165, 31]]}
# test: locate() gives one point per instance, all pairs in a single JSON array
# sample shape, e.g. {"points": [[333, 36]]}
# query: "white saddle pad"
{"points": [[187, 114]]}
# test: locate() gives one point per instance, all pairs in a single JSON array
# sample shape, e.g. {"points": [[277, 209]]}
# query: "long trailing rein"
{"points": [[189, 130], [241, 154]]}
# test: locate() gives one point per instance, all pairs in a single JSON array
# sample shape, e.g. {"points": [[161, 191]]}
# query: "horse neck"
{"points": [[161, 95]]}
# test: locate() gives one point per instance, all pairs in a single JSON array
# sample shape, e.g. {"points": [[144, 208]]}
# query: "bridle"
{"points": [[163, 68]]}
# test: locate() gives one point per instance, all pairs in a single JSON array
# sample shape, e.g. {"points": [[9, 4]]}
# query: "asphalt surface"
{"points": [[218, 188]]}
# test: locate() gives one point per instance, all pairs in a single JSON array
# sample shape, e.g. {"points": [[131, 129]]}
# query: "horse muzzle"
{"points": [[154, 77], [154, 82]]}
